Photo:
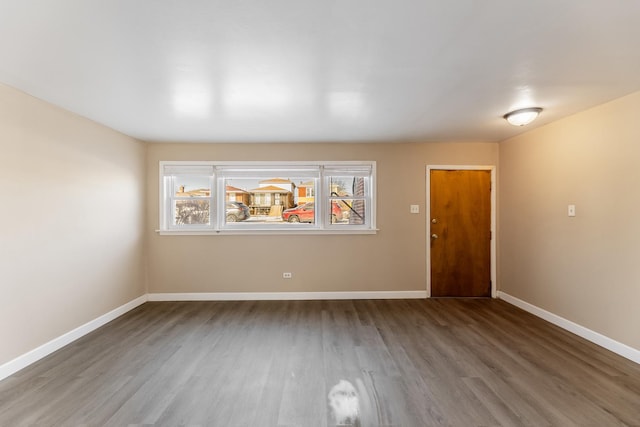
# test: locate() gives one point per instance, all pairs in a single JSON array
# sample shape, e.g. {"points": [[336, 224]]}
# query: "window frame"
{"points": [[222, 171]]}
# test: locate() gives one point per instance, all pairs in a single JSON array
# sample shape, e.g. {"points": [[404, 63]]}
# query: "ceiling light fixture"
{"points": [[523, 116]]}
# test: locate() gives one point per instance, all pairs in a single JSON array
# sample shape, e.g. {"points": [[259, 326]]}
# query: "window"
{"points": [[348, 194], [234, 197], [188, 196]]}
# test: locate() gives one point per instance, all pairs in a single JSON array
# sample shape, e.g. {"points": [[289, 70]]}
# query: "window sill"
{"points": [[256, 232]]}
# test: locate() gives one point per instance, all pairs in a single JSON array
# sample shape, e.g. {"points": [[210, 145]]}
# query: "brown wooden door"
{"points": [[460, 233]]}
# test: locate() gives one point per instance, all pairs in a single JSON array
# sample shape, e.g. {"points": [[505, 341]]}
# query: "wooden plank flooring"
{"points": [[437, 362]]}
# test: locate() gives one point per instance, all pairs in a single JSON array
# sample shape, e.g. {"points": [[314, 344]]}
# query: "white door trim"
{"points": [[493, 219]]}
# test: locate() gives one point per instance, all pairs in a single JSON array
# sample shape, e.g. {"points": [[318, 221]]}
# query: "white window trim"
{"points": [[321, 225]]}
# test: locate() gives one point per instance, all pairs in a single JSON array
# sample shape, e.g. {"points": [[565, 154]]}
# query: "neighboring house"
{"points": [[356, 210], [305, 193], [265, 197], [285, 184], [200, 192], [235, 194]]}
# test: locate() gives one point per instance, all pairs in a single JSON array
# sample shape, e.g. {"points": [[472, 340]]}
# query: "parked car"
{"points": [[306, 213], [236, 211]]}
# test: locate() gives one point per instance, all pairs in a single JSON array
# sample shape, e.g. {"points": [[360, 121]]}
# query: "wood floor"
{"points": [[438, 362]]}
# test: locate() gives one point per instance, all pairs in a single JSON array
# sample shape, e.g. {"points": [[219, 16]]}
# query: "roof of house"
{"points": [[193, 193], [269, 189], [232, 189]]}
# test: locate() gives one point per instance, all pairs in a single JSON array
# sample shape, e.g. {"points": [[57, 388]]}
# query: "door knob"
{"points": [[434, 236]]}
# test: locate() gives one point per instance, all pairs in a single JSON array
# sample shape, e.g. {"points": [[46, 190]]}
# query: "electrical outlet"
{"points": [[287, 275], [414, 209]]}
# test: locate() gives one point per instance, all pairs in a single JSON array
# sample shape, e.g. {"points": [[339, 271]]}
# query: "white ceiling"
{"points": [[322, 70]]}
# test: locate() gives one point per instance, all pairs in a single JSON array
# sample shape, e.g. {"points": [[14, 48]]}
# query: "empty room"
{"points": [[306, 213]]}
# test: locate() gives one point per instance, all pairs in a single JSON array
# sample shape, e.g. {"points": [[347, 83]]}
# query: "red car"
{"points": [[306, 213]]}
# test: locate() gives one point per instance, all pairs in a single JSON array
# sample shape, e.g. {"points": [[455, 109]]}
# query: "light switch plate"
{"points": [[571, 210], [414, 209]]}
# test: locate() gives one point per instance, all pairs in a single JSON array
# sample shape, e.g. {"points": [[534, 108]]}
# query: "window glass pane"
{"points": [[191, 186], [271, 200], [194, 211], [348, 211], [347, 186]]}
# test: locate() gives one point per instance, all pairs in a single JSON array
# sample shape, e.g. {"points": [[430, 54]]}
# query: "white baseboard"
{"points": [[36, 354], [256, 296], [595, 337], [44, 350]]}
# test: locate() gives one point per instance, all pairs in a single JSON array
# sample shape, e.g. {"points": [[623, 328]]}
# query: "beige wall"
{"points": [[585, 269], [392, 260], [71, 222]]}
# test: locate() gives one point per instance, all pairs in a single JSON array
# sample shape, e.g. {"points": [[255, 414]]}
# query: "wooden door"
{"points": [[460, 233]]}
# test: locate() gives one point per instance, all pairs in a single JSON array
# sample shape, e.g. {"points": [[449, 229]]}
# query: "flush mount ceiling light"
{"points": [[523, 116]]}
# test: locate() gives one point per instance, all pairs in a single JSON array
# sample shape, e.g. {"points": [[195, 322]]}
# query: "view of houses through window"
{"points": [[292, 200], [289, 200]]}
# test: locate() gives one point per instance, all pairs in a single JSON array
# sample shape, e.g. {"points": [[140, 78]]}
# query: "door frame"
{"points": [[493, 219]]}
